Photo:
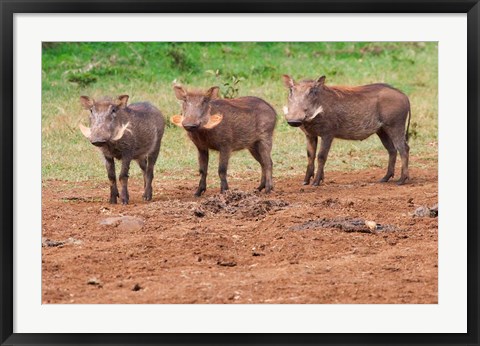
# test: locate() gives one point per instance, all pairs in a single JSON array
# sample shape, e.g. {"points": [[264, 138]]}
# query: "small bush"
{"points": [[180, 59], [82, 79]]}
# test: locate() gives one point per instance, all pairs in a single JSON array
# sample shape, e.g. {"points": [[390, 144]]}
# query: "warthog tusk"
{"points": [[213, 121], [177, 120], [121, 131], [86, 131], [317, 112], [285, 110]]}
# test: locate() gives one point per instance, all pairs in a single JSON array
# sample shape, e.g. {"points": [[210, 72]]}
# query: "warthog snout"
{"points": [[98, 142], [294, 123], [190, 126]]}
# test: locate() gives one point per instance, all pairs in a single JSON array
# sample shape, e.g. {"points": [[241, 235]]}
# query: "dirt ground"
{"points": [[300, 244]]}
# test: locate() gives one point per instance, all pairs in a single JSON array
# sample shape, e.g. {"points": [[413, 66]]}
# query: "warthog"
{"points": [[227, 125], [126, 133], [348, 113]]}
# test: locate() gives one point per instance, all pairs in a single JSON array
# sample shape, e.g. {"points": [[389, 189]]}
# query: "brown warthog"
{"points": [[126, 133], [227, 125], [348, 113]]}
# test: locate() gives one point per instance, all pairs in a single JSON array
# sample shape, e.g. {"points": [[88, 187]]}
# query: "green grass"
{"points": [[146, 72]]}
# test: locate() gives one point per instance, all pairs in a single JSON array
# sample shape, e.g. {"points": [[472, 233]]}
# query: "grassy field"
{"points": [[146, 71]]}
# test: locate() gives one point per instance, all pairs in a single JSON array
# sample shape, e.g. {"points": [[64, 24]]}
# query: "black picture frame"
{"points": [[7, 176]]}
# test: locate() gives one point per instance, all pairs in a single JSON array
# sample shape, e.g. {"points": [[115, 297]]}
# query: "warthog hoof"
{"points": [[317, 183], [199, 191], [125, 198], [402, 180], [113, 196], [386, 178]]}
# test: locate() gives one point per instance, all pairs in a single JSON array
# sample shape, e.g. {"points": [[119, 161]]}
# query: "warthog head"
{"points": [[104, 124], [303, 100], [196, 112]]}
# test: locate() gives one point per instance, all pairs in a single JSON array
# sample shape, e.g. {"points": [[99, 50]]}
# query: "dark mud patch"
{"points": [[81, 199], [246, 204], [345, 225], [336, 203]]}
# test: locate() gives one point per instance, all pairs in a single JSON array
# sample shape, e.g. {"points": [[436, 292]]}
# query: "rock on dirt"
{"points": [[198, 212], [60, 243], [124, 223], [424, 211], [345, 224], [52, 243], [224, 263], [247, 204], [94, 282]]}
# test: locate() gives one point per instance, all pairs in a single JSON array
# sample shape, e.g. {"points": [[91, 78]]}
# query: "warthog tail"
{"points": [[408, 123]]}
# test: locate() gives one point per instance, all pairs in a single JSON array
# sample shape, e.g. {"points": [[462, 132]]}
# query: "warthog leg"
{"points": [[123, 177], [203, 165], [110, 165], [147, 165], [398, 139], [151, 159], [404, 153], [261, 151], [322, 158], [311, 152], [143, 166], [224, 157], [392, 155], [265, 151], [254, 151]]}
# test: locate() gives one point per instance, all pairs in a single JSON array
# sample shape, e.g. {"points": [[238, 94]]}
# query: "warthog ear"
{"points": [[180, 92], [321, 80], [213, 121], [122, 101], [86, 102], [288, 81], [177, 120], [212, 93]]}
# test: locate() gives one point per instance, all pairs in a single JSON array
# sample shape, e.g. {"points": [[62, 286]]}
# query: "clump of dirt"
{"points": [[424, 211], [247, 204], [136, 287], [336, 203], [345, 224], [124, 223]]}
